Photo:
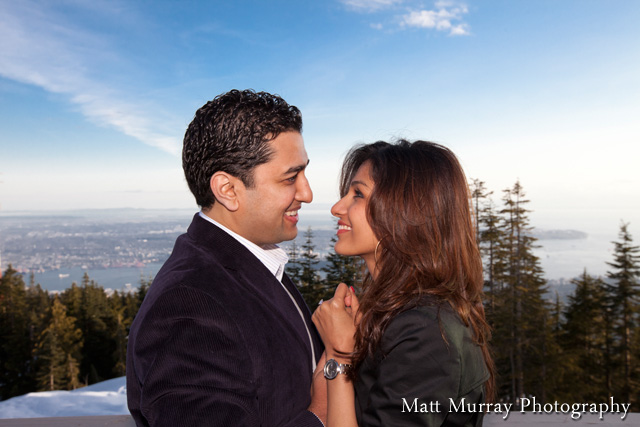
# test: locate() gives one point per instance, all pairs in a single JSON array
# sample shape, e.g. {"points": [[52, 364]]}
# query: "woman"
{"points": [[415, 345]]}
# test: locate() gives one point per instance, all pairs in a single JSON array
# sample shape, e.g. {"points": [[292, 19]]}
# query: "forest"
{"points": [[584, 349]]}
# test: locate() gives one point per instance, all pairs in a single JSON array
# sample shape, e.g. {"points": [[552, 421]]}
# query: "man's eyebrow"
{"points": [[296, 169]]}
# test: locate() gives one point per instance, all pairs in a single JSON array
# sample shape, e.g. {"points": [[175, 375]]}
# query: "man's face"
{"points": [[269, 210]]}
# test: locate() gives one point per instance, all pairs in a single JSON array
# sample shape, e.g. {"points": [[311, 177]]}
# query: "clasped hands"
{"points": [[336, 321]]}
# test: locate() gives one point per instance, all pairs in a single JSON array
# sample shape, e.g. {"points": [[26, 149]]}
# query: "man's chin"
{"points": [[290, 234]]}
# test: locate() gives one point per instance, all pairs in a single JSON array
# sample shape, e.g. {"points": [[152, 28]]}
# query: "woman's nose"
{"points": [[338, 209]]}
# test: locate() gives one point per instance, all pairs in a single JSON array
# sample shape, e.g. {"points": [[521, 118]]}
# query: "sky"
{"points": [[95, 95]]}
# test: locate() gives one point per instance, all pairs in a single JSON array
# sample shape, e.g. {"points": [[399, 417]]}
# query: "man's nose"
{"points": [[304, 193]]}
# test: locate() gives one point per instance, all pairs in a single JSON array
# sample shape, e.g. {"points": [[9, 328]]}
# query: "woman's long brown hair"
{"points": [[420, 209]]}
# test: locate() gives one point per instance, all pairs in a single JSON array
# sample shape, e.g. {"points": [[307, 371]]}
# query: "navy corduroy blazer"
{"points": [[218, 342]]}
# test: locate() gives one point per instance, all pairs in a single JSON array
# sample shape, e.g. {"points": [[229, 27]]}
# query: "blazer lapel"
{"points": [[315, 337], [273, 293], [251, 273]]}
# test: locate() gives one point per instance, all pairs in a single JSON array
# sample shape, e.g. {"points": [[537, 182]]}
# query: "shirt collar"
{"points": [[272, 256]]}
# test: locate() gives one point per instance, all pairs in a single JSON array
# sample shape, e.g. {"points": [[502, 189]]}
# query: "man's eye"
{"points": [[292, 179]]}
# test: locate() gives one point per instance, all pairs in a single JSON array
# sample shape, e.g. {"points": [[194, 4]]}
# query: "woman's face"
{"points": [[355, 236]]}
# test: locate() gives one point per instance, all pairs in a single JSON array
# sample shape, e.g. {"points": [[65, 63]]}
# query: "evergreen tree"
{"points": [[293, 267], [555, 361], [73, 299], [131, 301], [142, 292], [310, 286], [489, 237], [342, 269], [624, 293], [91, 308], [583, 341], [58, 349], [120, 333], [308, 261], [44, 349], [479, 196], [521, 320], [491, 241], [39, 314], [15, 345]]}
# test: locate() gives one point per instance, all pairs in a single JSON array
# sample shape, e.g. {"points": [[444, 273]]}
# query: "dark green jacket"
{"points": [[415, 376]]}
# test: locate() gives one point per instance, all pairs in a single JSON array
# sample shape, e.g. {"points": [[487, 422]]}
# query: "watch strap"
{"points": [[332, 368]]}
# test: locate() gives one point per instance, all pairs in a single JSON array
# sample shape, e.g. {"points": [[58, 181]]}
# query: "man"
{"points": [[223, 338]]}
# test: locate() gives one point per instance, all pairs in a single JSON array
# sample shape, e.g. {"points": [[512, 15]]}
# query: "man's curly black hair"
{"points": [[231, 133]]}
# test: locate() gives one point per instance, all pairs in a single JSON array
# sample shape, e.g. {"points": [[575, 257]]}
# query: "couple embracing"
{"points": [[223, 337]]}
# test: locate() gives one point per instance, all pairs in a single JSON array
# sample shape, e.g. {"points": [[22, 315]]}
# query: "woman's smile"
{"points": [[355, 236]]}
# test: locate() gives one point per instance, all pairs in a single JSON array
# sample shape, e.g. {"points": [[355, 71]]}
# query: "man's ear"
{"points": [[224, 187]]}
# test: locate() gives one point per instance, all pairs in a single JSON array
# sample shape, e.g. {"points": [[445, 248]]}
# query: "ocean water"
{"points": [[566, 259], [117, 279]]}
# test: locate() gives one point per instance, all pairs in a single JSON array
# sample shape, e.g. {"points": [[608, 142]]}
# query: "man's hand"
{"points": [[319, 391]]}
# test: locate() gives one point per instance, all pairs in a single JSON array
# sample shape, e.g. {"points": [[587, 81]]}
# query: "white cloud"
{"points": [[439, 19], [42, 50], [369, 5], [446, 15], [460, 30]]}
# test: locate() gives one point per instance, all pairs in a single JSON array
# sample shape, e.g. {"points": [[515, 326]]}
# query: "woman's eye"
{"points": [[357, 193]]}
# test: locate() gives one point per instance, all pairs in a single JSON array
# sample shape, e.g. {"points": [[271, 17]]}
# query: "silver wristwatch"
{"points": [[333, 368]]}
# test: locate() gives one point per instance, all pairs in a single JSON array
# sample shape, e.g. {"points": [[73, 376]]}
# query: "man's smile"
{"points": [[292, 215]]}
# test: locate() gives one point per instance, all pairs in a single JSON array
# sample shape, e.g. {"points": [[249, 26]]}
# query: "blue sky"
{"points": [[95, 95]]}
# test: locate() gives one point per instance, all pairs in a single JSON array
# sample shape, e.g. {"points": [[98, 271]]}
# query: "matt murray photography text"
{"points": [[526, 405]]}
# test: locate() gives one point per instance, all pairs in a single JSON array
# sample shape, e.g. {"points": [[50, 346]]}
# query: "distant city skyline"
{"points": [[95, 95], [116, 246]]}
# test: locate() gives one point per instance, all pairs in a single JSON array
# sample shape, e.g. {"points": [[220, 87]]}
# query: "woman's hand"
{"points": [[335, 320]]}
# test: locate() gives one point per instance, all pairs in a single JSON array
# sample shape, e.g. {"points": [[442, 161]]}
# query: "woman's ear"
{"points": [[224, 188]]}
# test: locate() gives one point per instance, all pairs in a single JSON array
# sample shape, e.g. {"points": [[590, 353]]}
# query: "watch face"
{"points": [[331, 369]]}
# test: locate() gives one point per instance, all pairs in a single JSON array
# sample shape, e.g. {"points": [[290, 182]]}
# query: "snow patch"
{"points": [[105, 398]]}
